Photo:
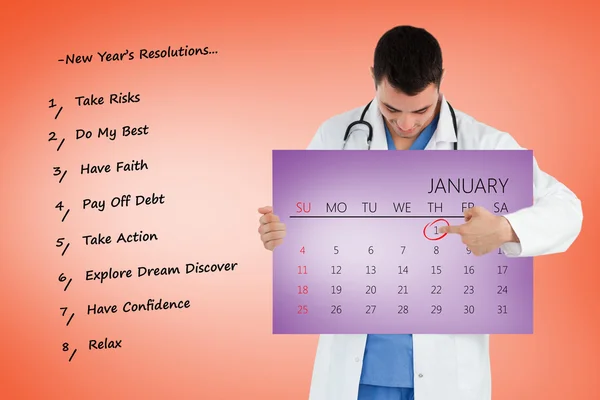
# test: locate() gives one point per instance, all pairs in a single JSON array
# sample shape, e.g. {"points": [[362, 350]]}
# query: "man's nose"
{"points": [[405, 123]]}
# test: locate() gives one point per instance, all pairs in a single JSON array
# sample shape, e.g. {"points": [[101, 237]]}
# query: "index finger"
{"points": [[451, 229]]}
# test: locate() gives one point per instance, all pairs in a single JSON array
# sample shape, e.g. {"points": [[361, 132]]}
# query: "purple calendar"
{"points": [[363, 255]]}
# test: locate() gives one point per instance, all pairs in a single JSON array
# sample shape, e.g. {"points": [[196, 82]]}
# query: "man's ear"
{"points": [[373, 77]]}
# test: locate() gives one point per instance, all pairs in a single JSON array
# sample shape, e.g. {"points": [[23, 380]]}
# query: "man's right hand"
{"points": [[271, 229]]}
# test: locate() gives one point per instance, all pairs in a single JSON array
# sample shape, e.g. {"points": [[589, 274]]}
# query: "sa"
{"points": [[500, 208]]}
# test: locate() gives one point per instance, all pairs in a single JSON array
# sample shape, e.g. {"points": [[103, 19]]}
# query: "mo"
{"points": [[337, 207]]}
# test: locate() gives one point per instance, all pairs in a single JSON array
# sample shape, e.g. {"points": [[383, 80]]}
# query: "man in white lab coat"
{"points": [[410, 113]]}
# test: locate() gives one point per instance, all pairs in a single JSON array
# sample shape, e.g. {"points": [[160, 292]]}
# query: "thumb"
{"points": [[265, 210], [470, 213]]}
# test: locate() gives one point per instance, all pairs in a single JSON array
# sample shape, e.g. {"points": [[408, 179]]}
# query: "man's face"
{"points": [[407, 115]]}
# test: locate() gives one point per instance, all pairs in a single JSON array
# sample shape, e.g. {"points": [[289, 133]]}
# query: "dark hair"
{"points": [[410, 58]]}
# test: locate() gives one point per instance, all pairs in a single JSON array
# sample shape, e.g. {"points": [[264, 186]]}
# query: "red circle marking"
{"points": [[431, 223]]}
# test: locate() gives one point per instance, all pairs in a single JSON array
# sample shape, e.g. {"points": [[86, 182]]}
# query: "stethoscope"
{"points": [[370, 127]]}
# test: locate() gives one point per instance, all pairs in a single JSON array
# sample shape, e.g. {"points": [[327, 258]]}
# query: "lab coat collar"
{"points": [[444, 132]]}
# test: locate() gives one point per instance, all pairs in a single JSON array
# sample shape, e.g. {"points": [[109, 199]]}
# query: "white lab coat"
{"points": [[446, 367]]}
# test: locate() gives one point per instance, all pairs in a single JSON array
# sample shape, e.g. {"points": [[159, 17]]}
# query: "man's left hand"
{"points": [[482, 231]]}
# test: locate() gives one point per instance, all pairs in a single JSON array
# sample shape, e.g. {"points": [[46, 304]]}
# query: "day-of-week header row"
{"points": [[370, 207]]}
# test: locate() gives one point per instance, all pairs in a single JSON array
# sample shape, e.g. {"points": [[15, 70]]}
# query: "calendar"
{"points": [[363, 253]]}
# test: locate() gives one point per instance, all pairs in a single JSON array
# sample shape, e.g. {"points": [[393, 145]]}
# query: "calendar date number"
{"points": [[303, 289], [302, 309]]}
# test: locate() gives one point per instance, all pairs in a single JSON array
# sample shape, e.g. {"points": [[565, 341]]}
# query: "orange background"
{"points": [[529, 69]]}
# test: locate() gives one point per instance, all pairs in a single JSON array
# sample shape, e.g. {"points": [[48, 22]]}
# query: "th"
{"points": [[434, 207]]}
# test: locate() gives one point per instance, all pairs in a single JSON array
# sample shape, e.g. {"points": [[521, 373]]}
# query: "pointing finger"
{"points": [[451, 229]]}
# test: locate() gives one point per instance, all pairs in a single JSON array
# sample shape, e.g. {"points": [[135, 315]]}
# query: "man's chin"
{"points": [[408, 135]]}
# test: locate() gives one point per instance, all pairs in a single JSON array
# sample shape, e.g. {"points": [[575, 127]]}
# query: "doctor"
{"points": [[410, 113]]}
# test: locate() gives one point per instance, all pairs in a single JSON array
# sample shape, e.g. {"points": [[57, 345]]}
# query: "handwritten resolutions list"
{"points": [[126, 200]]}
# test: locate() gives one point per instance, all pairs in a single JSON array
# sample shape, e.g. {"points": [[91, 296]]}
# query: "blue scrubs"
{"points": [[387, 372]]}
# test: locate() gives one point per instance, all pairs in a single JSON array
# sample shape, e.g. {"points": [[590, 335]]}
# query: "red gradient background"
{"points": [[281, 69]]}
